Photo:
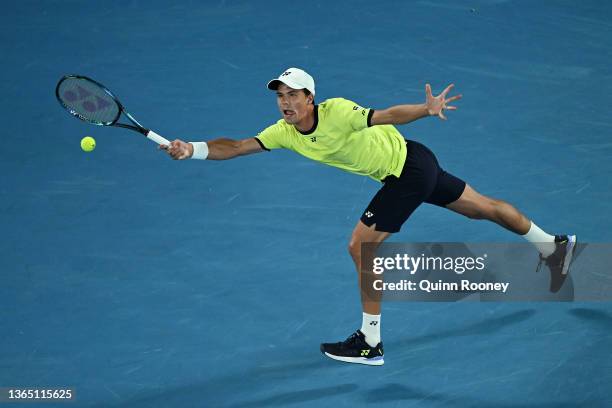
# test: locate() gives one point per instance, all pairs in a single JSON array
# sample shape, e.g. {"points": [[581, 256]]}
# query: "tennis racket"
{"points": [[92, 102]]}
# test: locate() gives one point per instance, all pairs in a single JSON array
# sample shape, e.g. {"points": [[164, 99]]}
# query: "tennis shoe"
{"points": [[559, 261], [355, 350]]}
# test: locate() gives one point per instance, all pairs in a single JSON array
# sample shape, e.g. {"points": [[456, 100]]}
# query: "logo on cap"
{"points": [[286, 73]]}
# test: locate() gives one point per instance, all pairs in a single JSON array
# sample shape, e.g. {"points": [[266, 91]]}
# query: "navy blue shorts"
{"points": [[422, 180]]}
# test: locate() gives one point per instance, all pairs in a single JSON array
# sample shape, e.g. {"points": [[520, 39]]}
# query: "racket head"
{"points": [[88, 100]]}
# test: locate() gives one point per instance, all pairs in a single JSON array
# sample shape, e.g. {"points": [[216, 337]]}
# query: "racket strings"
{"points": [[88, 101]]}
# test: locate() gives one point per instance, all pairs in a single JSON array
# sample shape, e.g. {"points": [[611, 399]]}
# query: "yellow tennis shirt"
{"points": [[342, 138]]}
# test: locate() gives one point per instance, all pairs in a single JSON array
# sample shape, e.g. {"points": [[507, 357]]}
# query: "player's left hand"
{"points": [[437, 104]]}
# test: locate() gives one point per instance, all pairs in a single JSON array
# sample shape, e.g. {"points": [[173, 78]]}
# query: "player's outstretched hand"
{"points": [[437, 104], [178, 149]]}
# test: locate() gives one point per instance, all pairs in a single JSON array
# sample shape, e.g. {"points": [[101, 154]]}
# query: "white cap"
{"points": [[294, 78]]}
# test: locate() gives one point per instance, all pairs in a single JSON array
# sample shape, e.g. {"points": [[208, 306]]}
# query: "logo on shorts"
{"points": [[369, 214]]}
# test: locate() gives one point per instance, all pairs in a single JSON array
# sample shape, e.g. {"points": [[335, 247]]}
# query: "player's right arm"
{"points": [[218, 149]]}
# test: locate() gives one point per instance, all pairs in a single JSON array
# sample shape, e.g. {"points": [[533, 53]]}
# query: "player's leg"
{"points": [[556, 250], [364, 346], [362, 234], [479, 207]]}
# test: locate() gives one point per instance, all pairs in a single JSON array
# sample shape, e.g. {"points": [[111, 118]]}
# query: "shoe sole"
{"points": [[569, 254], [375, 361]]}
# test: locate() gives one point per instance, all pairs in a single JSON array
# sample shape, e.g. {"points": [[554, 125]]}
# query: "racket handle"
{"points": [[151, 135]]}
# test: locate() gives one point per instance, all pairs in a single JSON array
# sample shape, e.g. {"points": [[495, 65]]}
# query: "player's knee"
{"points": [[354, 248]]}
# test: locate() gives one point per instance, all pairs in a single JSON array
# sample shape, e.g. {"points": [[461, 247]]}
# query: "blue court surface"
{"points": [[145, 282]]}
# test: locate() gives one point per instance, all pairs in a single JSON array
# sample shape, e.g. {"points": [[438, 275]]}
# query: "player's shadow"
{"points": [[597, 317], [225, 391], [293, 397], [222, 391], [486, 326], [398, 392], [204, 395]]}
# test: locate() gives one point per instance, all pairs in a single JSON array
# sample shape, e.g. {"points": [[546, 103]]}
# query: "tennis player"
{"points": [[364, 141]]}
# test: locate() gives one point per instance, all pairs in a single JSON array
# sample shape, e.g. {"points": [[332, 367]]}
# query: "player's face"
{"points": [[292, 103]]}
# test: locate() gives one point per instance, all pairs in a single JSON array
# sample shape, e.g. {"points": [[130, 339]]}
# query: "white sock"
{"points": [[370, 326], [543, 241]]}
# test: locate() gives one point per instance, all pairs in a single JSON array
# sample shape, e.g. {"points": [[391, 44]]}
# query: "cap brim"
{"points": [[273, 84]]}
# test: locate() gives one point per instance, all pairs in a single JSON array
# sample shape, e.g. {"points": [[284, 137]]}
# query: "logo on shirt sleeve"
{"points": [[363, 111]]}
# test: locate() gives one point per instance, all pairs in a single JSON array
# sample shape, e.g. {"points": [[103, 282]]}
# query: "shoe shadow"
{"points": [[487, 326]]}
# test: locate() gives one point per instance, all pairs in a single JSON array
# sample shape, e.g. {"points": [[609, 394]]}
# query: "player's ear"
{"points": [[309, 97]]}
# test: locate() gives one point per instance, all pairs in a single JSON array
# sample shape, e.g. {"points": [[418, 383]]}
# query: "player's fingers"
{"points": [[454, 98], [441, 115], [447, 89], [428, 90], [451, 107]]}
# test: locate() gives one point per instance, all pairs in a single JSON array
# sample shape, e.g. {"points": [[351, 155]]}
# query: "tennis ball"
{"points": [[88, 143]]}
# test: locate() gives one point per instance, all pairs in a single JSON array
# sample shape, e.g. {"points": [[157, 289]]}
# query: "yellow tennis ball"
{"points": [[88, 143]]}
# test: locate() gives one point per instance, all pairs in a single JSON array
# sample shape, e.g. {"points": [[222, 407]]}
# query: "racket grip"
{"points": [[151, 135]]}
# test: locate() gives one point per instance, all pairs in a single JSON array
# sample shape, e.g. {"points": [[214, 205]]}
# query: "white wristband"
{"points": [[200, 150]]}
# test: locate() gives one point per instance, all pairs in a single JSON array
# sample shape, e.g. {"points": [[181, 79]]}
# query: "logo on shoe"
{"points": [[365, 352], [369, 214]]}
